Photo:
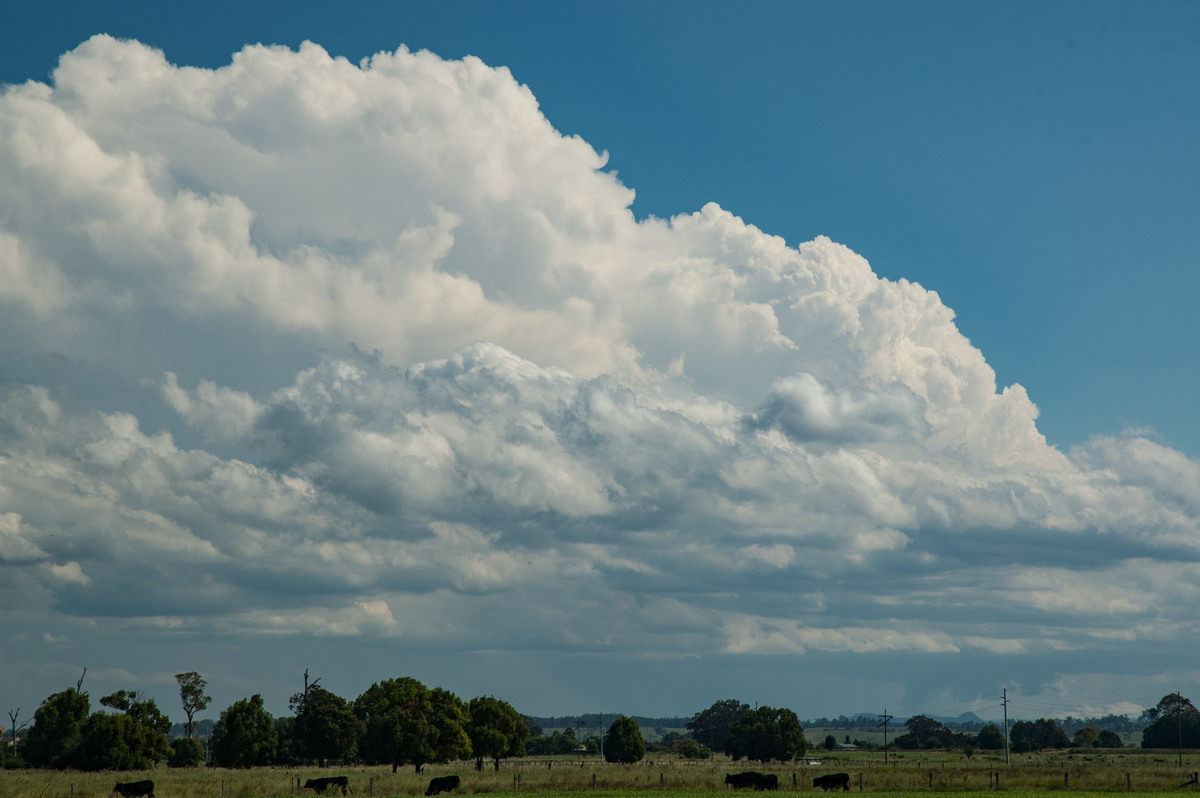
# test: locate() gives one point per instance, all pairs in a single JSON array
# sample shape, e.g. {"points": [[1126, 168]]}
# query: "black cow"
{"points": [[321, 785], [133, 789], [768, 781], [832, 781], [442, 784], [742, 780]]}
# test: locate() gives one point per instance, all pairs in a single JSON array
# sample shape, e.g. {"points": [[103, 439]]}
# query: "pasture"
{"points": [[906, 774]]}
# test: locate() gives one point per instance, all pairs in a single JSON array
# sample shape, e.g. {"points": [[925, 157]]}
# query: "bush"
{"points": [[186, 752], [624, 742], [688, 748]]}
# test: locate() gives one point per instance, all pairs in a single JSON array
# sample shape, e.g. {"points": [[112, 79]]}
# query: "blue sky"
{"points": [[644, 339]]}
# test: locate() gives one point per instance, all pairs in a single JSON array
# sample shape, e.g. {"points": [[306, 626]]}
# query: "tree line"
{"points": [[401, 722], [394, 722], [1173, 723], [1024, 736]]}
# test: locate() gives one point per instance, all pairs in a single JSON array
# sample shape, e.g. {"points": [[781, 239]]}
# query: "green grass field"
{"points": [[1131, 771]]}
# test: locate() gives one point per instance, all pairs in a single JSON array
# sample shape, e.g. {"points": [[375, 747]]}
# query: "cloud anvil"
{"points": [[309, 349]]}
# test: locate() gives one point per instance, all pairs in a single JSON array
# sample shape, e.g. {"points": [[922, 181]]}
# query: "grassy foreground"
{"points": [[905, 775]]}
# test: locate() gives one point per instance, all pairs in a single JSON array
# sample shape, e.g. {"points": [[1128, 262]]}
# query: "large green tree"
{"points": [[712, 726], [406, 723], [766, 734], [991, 738], [1037, 735], [496, 730], [624, 742], [325, 729], [109, 742], [244, 736], [193, 697], [133, 740], [925, 732], [53, 740], [450, 719], [1174, 723]]}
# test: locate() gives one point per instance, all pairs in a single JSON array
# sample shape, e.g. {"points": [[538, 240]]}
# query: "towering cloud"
{"points": [[356, 349]]}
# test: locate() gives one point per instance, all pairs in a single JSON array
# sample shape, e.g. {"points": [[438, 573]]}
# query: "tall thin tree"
{"points": [[191, 693]]}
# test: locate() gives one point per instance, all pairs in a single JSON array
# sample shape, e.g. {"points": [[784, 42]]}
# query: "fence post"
{"points": [[371, 786], [593, 781], [931, 779], [1066, 780], [222, 786], [662, 780], [72, 789], [860, 782], [793, 779]]}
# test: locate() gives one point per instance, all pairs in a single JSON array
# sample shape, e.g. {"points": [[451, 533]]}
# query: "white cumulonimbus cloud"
{"points": [[353, 349]]}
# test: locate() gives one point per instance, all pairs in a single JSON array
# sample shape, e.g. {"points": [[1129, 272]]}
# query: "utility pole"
{"points": [[886, 718], [1004, 701], [1179, 721]]}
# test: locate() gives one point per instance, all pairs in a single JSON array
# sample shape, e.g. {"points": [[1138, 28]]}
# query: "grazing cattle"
{"points": [[319, 786], [742, 780], [442, 784], [832, 781], [133, 789]]}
